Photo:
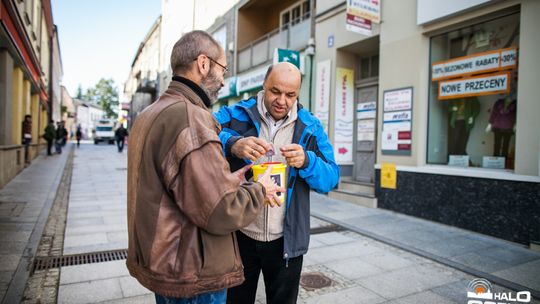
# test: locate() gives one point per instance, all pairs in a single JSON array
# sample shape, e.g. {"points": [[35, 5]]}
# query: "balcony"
{"points": [[293, 36]]}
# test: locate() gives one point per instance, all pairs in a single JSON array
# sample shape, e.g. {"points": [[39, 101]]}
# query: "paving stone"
{"points": [[410, 280], [354, 268], [9, 262], [389, 260], [332, 238], [356, 294], [424, 297], [527, 274], [85, 239], [90, 292], [131, 287], [90, 272]]}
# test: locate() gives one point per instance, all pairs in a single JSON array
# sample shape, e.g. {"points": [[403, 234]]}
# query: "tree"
{"points": [[79, 92], [104, 94]]}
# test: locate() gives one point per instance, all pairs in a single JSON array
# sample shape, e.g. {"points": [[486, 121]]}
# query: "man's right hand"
{"points": [[251, 148], [271, 187]]}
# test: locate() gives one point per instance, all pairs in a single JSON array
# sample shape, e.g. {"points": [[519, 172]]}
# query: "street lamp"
{"points": [[310, 52]]}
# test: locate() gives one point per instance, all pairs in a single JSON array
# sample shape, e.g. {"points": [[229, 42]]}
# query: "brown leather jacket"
{"points": [[183, 202]]}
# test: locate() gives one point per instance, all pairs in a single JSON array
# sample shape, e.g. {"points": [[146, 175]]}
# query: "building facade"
{"points": [[29, 76], [86, 115], [433, 106], [251, 42]]}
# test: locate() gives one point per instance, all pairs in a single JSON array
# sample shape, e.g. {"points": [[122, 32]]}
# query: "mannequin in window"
{"points": [[502, 123], [462, 114]]}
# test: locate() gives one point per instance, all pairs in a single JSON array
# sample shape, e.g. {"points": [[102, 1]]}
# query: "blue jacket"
{"points": [[319, 173]]}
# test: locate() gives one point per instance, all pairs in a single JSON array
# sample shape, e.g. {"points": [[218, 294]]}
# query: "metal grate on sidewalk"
{"points": [[43, 263]]}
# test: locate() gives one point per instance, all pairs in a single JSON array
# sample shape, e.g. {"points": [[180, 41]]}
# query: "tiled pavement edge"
{"points": [[25, 203], [499, 261]]}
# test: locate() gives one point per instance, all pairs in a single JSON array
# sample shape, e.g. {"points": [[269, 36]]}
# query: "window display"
{"points": [[473, 95]]}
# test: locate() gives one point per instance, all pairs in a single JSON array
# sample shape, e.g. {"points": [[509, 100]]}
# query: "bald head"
{"points": [[281, 88]]}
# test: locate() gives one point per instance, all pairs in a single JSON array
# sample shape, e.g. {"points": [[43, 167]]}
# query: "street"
{"points": [[349, 267]]}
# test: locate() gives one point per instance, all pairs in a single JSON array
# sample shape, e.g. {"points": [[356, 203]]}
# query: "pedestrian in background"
{"points": [[120, 134], [278, 238], [61, 134], [184, 204], [78, 136], [27, 137], [50, 134]]}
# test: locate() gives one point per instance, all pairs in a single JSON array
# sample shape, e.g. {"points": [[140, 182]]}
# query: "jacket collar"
{"points": [[195, 88]]}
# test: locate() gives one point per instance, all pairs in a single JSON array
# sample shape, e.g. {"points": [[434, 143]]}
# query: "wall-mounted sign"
{"points": [[366, 9], [475, 86], [474, 64], [358, 25], [322, 93], [251, 80], [388, 176], [366, 110], [283, 55], [330, 42], [344, 114], [397, 122]]}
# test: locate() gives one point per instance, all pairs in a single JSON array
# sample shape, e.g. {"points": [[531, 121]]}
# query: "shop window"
{"points": [[473, 96]]}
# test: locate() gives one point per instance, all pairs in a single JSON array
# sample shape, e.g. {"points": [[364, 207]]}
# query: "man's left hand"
{"points": [[294, 155]]}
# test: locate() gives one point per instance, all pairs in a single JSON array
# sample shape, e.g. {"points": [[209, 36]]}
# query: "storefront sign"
{"points": [[283, 55], [388, 176], [366, 130], [475, 86], [458, 160], [251, 80], [397, 122], [322, 93], [344, 114], [398, 100], [493, 162], [229, 89], [474, 64], [366, 9], [366, 110], [358, 25], [431, 10]]}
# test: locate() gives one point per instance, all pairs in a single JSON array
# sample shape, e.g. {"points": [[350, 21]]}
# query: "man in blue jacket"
{"points": [[273, 126]]}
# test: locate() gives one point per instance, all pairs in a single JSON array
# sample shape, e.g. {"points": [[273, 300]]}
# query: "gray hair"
{"points": [[191, 45]]}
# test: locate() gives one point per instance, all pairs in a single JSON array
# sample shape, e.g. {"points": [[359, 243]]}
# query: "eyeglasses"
{"points": [[225, 69]]}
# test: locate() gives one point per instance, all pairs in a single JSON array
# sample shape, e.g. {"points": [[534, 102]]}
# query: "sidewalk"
{"points": [[25, 203], [382, 257], [497, 260]]}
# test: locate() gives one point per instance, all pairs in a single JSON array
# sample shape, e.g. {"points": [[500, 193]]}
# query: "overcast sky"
{"points": [[99, 38]]}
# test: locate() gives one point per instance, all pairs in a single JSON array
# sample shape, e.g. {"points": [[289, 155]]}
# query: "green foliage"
{"points": [[79, 95], [104, 94]]}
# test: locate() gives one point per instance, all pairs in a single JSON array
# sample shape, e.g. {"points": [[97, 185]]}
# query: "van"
{"points": [[104, 131]]}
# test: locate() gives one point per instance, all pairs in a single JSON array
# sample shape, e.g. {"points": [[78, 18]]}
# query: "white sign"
{"points": [[322, 93], [397, 116], [366, 110], [397, 122], [251, 80], [398, 100], [493, 162], [474, 64], [366, 129], [458, 160], [474, 86], [358, 25], [344, 115], [367, 9]]}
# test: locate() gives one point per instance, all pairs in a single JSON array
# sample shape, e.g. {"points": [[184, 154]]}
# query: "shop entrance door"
{"points": [[365, 137]]}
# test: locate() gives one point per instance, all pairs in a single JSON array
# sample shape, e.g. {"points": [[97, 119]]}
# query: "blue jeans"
{"points": [[216, 297]]}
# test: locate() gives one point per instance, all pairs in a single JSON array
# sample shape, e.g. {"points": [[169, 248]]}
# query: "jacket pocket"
{"points": [[218, 254]]}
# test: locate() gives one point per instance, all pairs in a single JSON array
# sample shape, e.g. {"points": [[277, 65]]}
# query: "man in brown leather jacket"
{"points": [[183, 202]]}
